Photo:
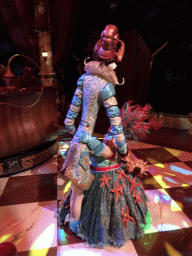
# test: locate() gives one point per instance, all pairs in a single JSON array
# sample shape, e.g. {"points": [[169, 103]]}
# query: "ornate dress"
{"points": [[114, 209], [94, 87]]}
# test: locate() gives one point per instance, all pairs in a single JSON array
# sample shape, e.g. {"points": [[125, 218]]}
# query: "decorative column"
{"points": [[42, 27]]}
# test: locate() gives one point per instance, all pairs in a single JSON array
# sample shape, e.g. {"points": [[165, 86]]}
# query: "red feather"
{"points": [[135, 120]]}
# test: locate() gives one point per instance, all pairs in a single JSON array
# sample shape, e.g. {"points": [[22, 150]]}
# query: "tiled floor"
{"points": [[29, 200]]}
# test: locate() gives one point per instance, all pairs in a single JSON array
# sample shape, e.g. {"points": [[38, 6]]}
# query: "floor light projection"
{"points": [[62, 236], [5, 238], [67, 187], [42, 244], [80, 252], [167, 227], [159, 179], [180, 170], [170, 250], [174, 152], [171, 180], [185, 225], [166, 214], [63, 146], [155, 162]]}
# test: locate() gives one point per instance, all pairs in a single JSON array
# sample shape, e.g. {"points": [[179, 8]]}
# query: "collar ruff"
{"points": [[104, 72]]}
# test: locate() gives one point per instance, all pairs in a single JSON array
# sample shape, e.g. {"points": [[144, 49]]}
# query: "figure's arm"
{"points": [[96, 146], [108, 97], [75, 106]]}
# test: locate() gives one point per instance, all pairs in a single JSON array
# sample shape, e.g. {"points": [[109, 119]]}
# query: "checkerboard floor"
{"points": [[29, 201]]}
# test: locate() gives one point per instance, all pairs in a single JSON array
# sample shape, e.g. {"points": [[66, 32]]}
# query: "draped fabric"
{"points": [[135, 68], [18, 28]]}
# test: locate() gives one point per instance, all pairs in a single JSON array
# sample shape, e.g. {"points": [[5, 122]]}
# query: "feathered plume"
{"points": [[135, 121]]}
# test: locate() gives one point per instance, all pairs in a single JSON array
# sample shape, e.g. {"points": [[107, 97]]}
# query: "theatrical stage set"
{"points": [[89, 175]]}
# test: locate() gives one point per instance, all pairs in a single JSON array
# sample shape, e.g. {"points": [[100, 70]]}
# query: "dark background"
{"points": [[76, 26]]}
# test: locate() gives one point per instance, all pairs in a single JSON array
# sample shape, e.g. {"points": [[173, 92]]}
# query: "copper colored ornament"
{"points": [[106, 47]]}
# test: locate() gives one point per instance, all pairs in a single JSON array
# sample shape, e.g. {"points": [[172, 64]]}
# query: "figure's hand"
{"points": [[83, 136]]}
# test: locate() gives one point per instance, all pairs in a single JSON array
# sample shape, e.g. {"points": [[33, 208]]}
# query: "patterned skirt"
{"points": [[114, 209]]}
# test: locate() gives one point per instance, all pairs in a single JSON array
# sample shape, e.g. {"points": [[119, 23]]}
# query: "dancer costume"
{"points": [[94, 87], [114, 205], [114, 209]]}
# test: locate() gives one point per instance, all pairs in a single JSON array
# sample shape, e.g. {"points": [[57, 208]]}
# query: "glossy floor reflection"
{"points": [[29, 201]]}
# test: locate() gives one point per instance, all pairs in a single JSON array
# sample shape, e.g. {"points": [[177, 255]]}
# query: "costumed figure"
{"points": [[114, 209], [94, 87]]}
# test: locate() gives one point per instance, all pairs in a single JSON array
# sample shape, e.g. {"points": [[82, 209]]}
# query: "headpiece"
{"points": [[106, 47]]}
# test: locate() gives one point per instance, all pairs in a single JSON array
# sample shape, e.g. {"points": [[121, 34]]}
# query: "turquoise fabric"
{"points": [[113, 111], [107, 92], [70, 127], [117, 130], [96, 146], [120, 144], [80, 81], [76, 101], [71, 114], [101, 223]]}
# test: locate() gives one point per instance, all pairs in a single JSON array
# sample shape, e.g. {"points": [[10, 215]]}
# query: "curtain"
{"points": [[18, 28]]}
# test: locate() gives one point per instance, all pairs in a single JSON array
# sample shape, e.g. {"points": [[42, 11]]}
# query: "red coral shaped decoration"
{"points": [[132, 164], [126, 217], [118, 190], [135, 121], [105, 180], [138, 198]]}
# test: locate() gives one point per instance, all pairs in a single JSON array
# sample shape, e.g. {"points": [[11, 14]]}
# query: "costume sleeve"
{"points": [[108, 97], [75, 106]]}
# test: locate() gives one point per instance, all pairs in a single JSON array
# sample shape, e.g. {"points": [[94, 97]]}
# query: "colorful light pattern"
{"points": [[155, 162], [67, 186], [169, 174], [167, 227], [185, 185], [185, 224], [159, 179], [175, 207], [180, 170], [170, 250], [42, 244], [171, 180], [5, 238], [77, 251], [61, 236]]}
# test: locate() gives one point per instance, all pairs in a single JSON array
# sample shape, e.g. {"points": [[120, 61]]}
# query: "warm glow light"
{"points": [[185, 224], [174, 152], [5, 238], [63, 146], [159, 179], [170, 250], [42, 244], [152, 161], [160, 165], [45, 54], [150, 230], [175, 207], [66, 188], [169, 174], [185, 185]]}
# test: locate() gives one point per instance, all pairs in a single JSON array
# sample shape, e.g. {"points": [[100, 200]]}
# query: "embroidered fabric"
{"points": [[96, 86], [114, 209]]}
